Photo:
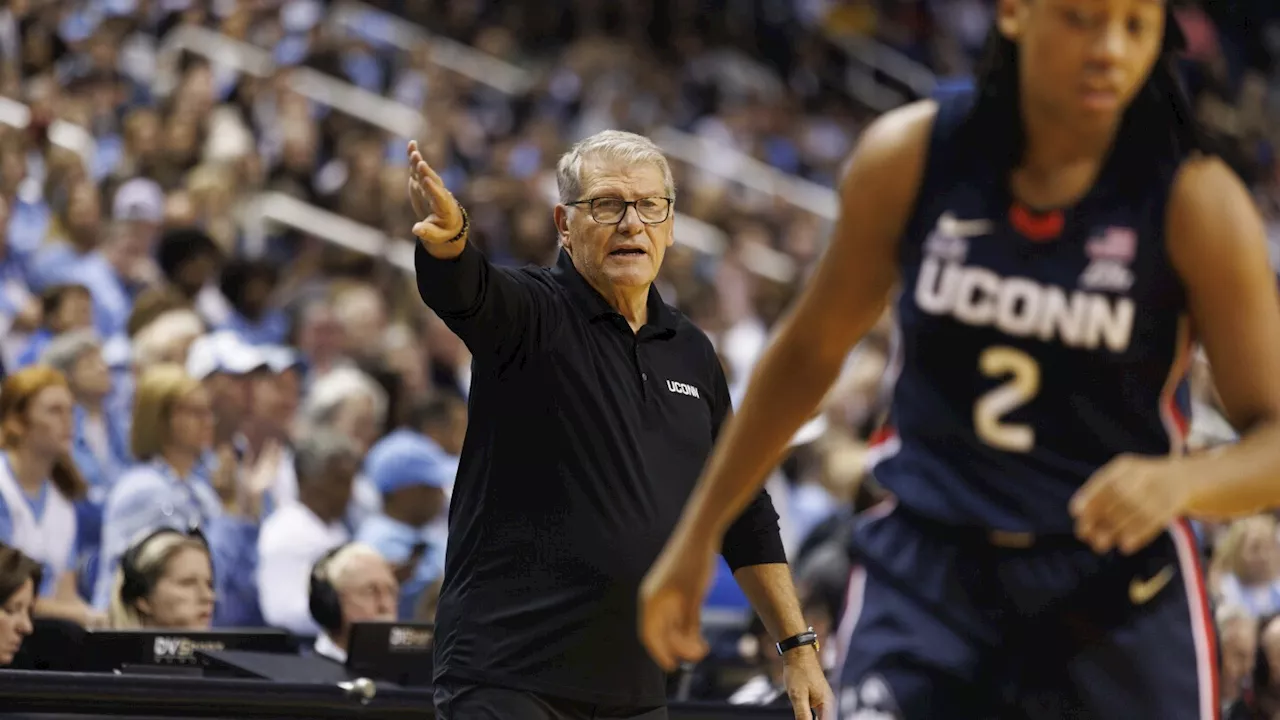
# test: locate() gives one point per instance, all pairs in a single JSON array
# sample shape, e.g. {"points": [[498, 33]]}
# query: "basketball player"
{"points": [[1057, 236]]}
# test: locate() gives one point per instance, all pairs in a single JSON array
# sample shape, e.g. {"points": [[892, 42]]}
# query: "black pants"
{"points": [[461, 700]]}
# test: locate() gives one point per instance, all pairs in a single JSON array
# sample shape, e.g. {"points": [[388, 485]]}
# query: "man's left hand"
{"points": [[1129, 501], [807, 686]]}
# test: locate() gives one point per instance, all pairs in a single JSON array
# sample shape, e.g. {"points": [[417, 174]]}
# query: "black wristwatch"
{"points": [[808, 637]]}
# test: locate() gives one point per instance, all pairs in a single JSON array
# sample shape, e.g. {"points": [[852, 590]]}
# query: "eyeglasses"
{"points": [[611, 210]]}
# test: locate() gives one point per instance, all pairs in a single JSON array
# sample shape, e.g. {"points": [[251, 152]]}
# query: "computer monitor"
{"points": [[110, 650], [398, 653]]}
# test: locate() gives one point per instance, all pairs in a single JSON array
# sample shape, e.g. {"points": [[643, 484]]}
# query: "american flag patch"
{"points": [[1119, 244]]}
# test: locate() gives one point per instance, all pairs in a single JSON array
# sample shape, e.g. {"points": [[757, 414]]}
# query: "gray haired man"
{"points": [[297, 534], [594, 406]]}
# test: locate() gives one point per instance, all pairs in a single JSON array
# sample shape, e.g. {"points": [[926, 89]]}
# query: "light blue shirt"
{"points": [[36, 345], [271, 329], [99, 472], [725, 593], [150, 496], [1259, 601], [119, 406], [112, 302], [28, 225], [395, 541], [15, 287], [233, 542], [810, 505], [109, 152]]}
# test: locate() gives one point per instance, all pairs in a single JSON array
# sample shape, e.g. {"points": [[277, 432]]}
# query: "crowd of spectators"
{"points": [[292, 397]]}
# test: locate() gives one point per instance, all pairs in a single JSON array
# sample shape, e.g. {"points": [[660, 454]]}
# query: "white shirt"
{"points": [[326, 647], [1258, 600], [48, 539], [285, 487], [291, 541], [365, 498]]}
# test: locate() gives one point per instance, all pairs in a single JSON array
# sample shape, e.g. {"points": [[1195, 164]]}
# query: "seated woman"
{"points": [[164, 581], [19, 578], [39, 483], [171, 487]]}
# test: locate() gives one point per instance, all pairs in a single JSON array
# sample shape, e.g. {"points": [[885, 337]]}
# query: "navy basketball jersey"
{"points": [[1033, 348]]}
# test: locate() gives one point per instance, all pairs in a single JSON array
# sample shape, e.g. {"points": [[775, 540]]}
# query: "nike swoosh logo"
{"points": [[1142, 591]]}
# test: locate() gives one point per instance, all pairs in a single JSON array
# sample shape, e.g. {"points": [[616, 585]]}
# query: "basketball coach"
{"points": [[594, 406]]}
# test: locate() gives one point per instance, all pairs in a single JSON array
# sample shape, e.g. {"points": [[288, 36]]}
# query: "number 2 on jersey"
{"points": [[1023, 374]]}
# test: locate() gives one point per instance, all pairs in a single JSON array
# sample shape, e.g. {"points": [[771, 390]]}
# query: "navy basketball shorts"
{"points": [[952, 624]]}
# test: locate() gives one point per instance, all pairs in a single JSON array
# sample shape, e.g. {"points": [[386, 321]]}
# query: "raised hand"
{"points": [[226, 475], [261, 477], [440, 216]]}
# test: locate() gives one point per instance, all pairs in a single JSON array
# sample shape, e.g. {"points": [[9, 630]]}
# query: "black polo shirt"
{"points": [[584, 441]]}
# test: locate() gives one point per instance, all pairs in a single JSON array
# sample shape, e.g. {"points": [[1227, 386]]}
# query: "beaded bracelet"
{"points": [[466, 225]]}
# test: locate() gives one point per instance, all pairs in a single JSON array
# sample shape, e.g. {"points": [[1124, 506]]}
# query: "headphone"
{"points": [[136, 584], [325, 606]]}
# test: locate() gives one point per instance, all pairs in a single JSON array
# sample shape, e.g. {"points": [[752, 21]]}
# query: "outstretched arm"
{"points": [[498, 313], [842, 302], [1219, 247]]}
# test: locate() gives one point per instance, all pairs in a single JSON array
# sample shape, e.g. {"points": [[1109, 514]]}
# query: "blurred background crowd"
{"points": [[205, 285]]}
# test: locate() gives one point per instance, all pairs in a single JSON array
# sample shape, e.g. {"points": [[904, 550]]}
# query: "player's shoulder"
{"points": [[884, 176], [1207, 191], [1210, 210], [1204, 180], [901, 133]]}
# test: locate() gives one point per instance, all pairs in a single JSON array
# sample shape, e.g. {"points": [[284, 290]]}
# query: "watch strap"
{"points": [[808, 637]]}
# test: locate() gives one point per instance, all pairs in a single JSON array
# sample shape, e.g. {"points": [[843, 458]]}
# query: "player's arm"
{"points": [[752, 544], [841, 303], [1218, 246]]}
